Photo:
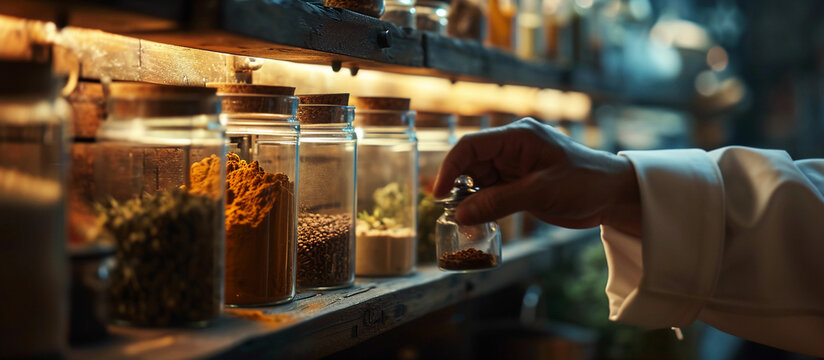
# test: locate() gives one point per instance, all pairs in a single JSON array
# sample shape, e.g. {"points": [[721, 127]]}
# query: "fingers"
{"points": [[497, 201], [474, 152]]}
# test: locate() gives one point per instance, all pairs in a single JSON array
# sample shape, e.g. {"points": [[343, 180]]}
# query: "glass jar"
{"points": [[326, 202], [400, 12], [432, 16], [387, 187], [261, 190], [33, 141], [436, 136], [467, 20], [468, 124], [159, 184], [373, 8], [466, 247]]}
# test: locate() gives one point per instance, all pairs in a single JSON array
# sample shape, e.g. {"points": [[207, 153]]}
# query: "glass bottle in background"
{"points": [[468, 124], [159, 182], [261, 190], [387, 187], [400, 12], [432, 16], [510, 225], [436, 136], [466, 248], [326, 201], [33, 169], [501, 22], [529, 37], [467, 20], [558, 32]]}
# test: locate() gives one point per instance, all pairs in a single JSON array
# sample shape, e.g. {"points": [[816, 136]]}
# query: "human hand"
{"points": [[528, 166]]}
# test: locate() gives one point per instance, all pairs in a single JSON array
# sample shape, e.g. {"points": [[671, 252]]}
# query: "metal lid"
{"points": [[462, 188], [26, 78]]}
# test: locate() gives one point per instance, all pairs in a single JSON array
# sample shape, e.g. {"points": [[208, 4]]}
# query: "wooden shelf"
{"points": [[293, 30], [320, 323]]}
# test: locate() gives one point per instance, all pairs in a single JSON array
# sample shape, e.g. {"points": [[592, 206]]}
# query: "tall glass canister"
{"points": [[159, 184], [326, 201], [261, 190], [387, 187], [33, 165], [436, 136]]}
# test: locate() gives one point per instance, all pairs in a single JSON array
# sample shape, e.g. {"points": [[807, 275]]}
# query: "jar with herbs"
{"points": [[326, 201], [436, 136], [159, 191], [261, 191], [33, 169], [387, 187]]}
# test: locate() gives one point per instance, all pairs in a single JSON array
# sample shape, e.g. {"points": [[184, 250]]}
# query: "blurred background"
{"points": [[662, 74]]}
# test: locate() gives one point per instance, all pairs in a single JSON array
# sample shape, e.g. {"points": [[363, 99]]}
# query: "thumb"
{"points": [[496, 202]]}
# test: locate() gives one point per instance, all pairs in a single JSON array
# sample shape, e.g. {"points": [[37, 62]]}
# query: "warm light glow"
{"points": [[680, 33], [584, 4], [426, 92], [717, 58], [576, 106]]}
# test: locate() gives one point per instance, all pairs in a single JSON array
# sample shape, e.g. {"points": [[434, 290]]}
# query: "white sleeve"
{"points": [[733, 237]]}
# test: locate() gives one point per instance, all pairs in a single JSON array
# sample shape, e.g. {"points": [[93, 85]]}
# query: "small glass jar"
{"points": [[326, 202], [261, 190], [159, 186], [373, 8], [33, 167], [400, 12], [436, 136], [511, 225], [466, 247], [387, 187], [468, 124], [432, 16]]}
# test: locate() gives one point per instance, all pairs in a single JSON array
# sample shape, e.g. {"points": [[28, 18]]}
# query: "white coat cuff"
{"points": [[665, 279]]}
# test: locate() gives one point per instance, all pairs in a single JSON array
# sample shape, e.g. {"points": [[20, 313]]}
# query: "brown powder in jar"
{"points": [[467, 259], [204, 177], [260, 234], [260, 230]]}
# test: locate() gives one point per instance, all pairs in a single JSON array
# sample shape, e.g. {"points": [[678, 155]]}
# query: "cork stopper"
{"points": [[251, 89], [475, 121], [498, 118], [326, 99], [382, 103], [431, 119], [316, 114], [135, 99], [256, 99]]}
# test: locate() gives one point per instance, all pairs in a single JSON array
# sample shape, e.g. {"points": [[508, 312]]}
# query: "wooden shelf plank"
{"points": [[320, 323]]}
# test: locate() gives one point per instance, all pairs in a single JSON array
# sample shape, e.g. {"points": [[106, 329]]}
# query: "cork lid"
{"points": [[26, 78], [431, 119], [476, 121], [256, 99], [384, 118], [137, 99], [316, 114], [327, 99], [382, 103], [251, 89], [498, 118]]}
